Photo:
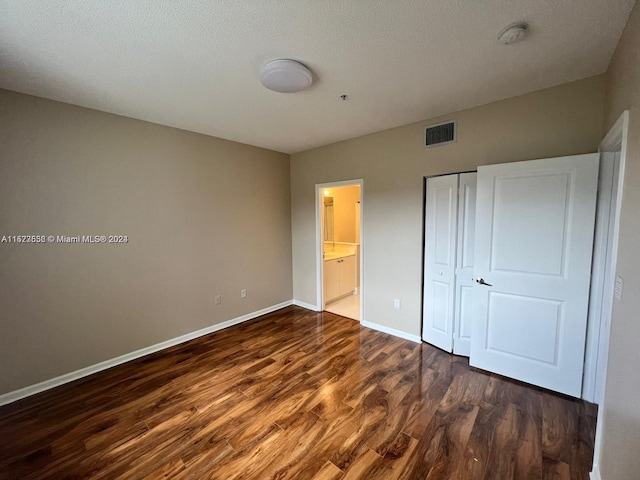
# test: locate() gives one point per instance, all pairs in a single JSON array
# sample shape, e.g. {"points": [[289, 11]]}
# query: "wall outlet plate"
{"points": [[396, 303], [218, 299]]}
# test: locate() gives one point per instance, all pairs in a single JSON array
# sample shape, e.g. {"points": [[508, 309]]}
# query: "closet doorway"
{"points": [[339, 251], [513, 285]]}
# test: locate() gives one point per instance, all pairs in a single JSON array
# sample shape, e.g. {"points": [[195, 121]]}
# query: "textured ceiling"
{"points": [[194, 64]]}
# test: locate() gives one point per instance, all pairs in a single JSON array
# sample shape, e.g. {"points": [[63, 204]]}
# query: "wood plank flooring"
{"points": [[297, 395]]}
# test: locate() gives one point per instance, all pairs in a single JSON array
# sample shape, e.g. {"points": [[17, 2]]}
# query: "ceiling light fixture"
{"points": [[513, 33], [285, 76]]}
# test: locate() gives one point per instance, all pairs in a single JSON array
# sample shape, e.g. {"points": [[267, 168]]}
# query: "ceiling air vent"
{"points": [[440, 134]]}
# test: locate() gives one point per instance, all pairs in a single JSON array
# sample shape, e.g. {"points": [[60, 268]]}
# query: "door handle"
{"points": [[481, 281]]}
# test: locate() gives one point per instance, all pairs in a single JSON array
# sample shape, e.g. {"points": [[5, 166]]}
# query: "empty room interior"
{"points": [[320, 240]]}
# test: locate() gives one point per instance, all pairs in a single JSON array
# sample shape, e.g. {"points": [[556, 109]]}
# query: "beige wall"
{"points": [[344, 212], [620, 457], [563, 120], [204, 216]]}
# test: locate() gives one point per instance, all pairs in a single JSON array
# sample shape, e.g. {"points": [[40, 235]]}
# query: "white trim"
{"points": [[392, 331], [127, 357], [617, 136], [598, 293], [616, 139], [319, 249], [308, 306]]}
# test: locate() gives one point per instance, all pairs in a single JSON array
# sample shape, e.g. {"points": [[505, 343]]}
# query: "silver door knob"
{"points": [[481, 281]]}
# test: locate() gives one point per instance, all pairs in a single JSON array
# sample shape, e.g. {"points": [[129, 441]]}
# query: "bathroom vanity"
{"points": [[339, 275]]}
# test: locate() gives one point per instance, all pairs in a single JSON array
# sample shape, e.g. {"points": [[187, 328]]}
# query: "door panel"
{"points": [[441, 309], [465, 306], [440, 254], [467, 219], [524, 327], [347, 275], [444, 228], [534, 235], [331, 277], [537, 225], [464, 264]]}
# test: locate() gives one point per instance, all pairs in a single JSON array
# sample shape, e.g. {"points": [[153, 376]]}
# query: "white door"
{"points": [[534, 236], [439, 260], [464, 264]]}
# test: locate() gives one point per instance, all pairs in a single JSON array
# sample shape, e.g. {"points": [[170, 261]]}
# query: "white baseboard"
{"points": [[392, 331], [308, 306], [84, 372], [595, 473]]}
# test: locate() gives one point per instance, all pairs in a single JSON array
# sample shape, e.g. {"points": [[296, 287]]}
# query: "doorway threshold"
{"points": [[346, 307]]}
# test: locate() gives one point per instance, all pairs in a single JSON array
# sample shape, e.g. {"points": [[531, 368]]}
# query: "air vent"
{"points": [[440, 134]]}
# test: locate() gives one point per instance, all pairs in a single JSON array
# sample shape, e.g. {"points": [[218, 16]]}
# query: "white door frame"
{"points": [[614, 141], [320, 240], [599, 296]]}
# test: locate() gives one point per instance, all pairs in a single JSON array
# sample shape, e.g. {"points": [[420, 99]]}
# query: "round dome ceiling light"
{"points": [[285, 76], [513, 33]]}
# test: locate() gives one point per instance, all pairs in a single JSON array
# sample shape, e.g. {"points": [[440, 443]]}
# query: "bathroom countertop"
{"points": [[335, 255]]}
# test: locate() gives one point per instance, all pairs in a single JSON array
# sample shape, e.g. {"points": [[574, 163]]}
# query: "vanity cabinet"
{"points": [[339, 277]]}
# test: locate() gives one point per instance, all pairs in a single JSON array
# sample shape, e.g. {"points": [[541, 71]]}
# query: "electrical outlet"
{"points": [[218, 299], [396, 303], [243, 293], [618, 287]]}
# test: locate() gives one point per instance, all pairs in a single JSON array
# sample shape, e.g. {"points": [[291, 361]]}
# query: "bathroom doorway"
{"points": [[340, 248]]}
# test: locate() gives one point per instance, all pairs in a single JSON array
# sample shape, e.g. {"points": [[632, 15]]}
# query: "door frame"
{"points": [[600, 297], [614, 141], [320, 240]]}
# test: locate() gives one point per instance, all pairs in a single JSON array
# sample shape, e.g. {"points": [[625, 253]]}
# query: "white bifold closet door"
{"points": [[511, 289], [465, 280], [448, 268]]}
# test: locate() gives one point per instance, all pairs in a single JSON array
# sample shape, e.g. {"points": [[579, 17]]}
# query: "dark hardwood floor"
{"points": [[297, 395]]}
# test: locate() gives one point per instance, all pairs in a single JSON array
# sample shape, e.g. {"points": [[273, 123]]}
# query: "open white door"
{"points": [[464, 264], [534, 236], [439, 260]]}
